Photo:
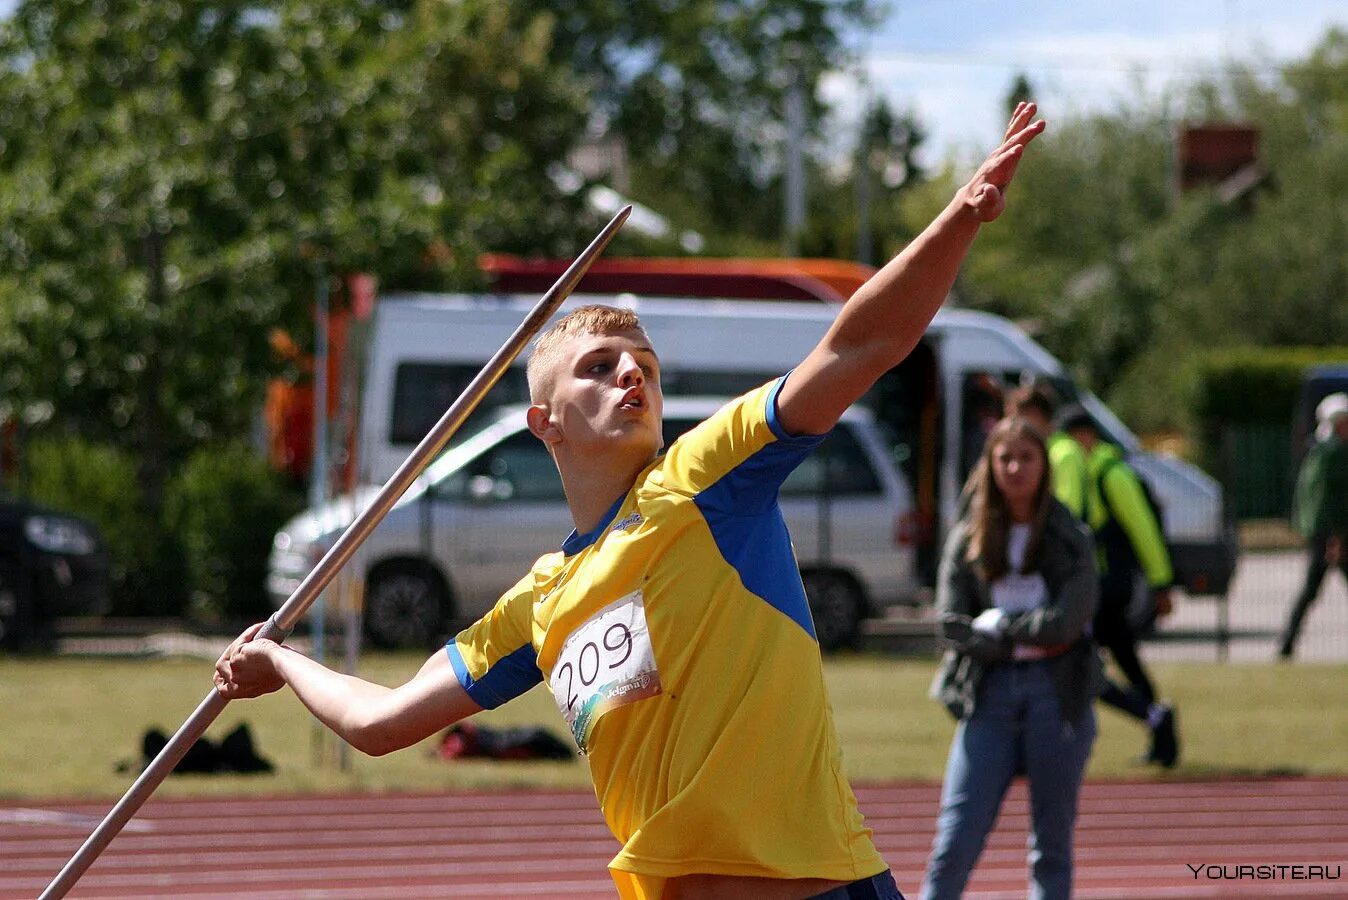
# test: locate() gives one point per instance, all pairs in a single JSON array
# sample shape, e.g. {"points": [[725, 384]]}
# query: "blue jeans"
{"points": [[1017, 726]]}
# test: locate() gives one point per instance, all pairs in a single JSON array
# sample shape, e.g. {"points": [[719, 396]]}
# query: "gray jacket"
{"points": [[1067, 562]]}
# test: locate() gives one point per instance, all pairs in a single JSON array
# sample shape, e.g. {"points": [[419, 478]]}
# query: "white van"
{"points": [[934, 407], [474, 522]]}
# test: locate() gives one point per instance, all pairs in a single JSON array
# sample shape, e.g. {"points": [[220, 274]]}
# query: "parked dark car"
{"points": [[52, 564]]}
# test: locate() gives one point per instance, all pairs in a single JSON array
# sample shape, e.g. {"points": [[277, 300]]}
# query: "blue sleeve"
{"points": [[494, 658], [509, 677], [753, 453]]}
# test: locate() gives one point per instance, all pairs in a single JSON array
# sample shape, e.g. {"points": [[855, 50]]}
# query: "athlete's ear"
{"points": [[541, 425]]}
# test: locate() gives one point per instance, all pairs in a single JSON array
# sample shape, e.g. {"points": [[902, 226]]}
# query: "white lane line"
{"points": [[25, 816]]}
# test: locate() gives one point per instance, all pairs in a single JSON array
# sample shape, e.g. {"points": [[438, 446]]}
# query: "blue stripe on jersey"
{"points": [[773, 422], [511, 676], [575, 543], [752, 486], [759, 547], [746, 522]]}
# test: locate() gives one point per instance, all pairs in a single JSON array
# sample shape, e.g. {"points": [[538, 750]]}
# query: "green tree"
{"points": [[1021, 90], [697, 90], [1124, 278], [176, 176], [857, 213]]}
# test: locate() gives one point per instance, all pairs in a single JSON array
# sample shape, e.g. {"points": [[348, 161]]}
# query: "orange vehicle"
{"points": [[822, 280]]}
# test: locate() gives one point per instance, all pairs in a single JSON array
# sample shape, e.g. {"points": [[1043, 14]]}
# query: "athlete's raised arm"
{"points": [[370, 717], [886, 317]]}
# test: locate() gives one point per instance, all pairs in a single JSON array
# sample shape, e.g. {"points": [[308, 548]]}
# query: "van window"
{"points": [[673, 429], [519, 469], [849, 470], [422, 391], [838, 466], [909, 409], [691, 383]]}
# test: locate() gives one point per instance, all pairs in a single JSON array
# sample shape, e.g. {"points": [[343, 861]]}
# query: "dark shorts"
{"points": [[877, 887]]}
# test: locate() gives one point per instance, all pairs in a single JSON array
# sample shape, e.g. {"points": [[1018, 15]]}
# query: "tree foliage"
{"points": [[178, 176], [696, 91], [857, 211], [1126, 279]]}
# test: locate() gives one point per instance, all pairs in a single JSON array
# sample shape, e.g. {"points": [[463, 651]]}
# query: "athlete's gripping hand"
{"points": [[246, 668], [985, 194]]}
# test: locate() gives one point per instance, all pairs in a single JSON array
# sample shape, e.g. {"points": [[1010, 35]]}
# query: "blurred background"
{"points": [[197, 197]]}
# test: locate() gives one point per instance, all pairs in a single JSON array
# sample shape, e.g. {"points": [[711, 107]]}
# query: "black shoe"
{"points": [[1164, 741]]}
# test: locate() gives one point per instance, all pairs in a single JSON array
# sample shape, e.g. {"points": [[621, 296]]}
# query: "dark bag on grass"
{"points": [[234, 754], [468, 739]]}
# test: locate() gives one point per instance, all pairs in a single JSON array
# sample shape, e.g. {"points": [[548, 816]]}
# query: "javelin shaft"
{"points": [[283, 621]]}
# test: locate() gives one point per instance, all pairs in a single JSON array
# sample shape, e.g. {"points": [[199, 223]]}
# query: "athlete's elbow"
{"points": [[373, 741], [376, 749], [373, 737]]}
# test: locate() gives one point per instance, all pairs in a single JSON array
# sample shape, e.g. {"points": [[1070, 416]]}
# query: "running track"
{"points": [[1134, 841]]}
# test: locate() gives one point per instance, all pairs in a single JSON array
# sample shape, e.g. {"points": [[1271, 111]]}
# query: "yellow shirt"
{"points": [[678, 645]]}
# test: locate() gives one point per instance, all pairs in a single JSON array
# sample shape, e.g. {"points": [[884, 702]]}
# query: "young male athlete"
{"points": [[671, 627]]}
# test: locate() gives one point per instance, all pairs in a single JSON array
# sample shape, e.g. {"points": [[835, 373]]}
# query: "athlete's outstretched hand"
{"points": [[985, 193]]}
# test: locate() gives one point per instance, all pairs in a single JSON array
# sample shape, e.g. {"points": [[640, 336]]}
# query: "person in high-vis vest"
{"points": [[1129, 540], [1068, 472]]}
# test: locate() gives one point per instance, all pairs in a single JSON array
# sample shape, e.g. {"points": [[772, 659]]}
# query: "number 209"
{"points": [[617, 637]]}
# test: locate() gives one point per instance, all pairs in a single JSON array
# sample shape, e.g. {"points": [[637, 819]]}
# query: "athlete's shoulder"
{"points": [[748, 411]]}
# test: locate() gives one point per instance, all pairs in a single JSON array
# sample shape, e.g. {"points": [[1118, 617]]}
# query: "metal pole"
{"points": [[283, 621]]}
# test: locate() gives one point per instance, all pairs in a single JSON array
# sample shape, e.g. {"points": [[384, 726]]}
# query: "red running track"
{"points": [[1134, 840]]}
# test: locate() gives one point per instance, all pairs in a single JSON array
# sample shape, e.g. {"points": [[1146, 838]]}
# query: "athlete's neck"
{"points": [[592, 484]]}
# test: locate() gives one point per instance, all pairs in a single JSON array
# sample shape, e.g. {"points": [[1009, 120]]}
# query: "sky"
{"points": [[951, 62]]}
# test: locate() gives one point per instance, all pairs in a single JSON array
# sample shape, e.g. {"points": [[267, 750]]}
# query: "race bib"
{"points": [[605, 663]]}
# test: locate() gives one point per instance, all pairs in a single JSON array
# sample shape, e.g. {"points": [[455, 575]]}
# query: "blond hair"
{"points": [[591, 319]]}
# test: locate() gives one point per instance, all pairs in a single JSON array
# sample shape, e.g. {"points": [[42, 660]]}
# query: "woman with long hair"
{"points": [[1016, 593]]}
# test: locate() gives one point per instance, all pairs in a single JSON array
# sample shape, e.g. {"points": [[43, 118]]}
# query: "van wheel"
{"points": [[836, 606], [405, 607]]}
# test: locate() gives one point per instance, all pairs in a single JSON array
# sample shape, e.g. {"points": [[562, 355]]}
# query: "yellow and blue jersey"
{"points": [[678, 645]]}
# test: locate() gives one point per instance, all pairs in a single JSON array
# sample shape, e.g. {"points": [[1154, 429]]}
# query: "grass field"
{"points": [[68, 722]]}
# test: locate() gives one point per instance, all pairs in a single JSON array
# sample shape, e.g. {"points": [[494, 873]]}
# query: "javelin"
{"points": [[283, 621]]}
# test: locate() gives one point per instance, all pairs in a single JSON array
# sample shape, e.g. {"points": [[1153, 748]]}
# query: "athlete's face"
{"points": [[1018, 469], [606, 394]]}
